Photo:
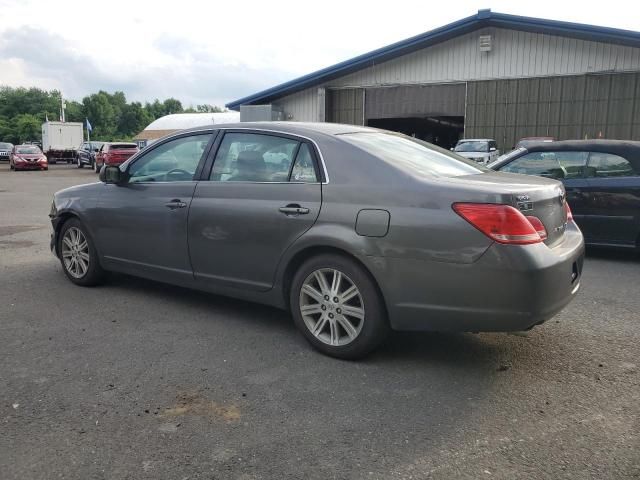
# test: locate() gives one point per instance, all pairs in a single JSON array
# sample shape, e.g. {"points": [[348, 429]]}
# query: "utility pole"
{"points": [[62, 106]]}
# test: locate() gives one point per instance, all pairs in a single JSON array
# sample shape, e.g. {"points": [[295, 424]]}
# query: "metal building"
{"points": [[489, 75]]}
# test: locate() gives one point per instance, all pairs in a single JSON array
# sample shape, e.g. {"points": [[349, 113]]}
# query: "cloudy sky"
{"points": [[214, 52]]}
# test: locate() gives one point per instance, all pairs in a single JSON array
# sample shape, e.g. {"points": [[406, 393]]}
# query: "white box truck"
{"points": [[60, 140]]}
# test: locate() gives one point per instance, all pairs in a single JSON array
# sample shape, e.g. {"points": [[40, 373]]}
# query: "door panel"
{"points": [[137, 229], [237, 233], [142, 225], [614, 199], [615, 209]]}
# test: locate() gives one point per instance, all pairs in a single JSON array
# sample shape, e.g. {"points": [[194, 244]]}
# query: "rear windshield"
{"points": [[27, 150], [5, 146], [122, 146], [473, 146], [412, 155]]}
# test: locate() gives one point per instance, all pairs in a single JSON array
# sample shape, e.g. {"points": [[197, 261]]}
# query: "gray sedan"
{"points": [[357, 231]]}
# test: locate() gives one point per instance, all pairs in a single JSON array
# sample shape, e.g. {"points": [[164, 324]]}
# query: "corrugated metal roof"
{"points": [[483, 18]]}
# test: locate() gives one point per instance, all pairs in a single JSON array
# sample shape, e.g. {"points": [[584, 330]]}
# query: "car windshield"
{"points": [[473, 146], [5, 146], [413, 155], [28, 150]]}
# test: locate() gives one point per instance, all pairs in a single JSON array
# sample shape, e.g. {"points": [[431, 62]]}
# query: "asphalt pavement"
{"points": [[140, 380]]}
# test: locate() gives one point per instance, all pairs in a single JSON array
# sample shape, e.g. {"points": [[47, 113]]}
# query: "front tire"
{"points": [[336, 305], [78, 254]]}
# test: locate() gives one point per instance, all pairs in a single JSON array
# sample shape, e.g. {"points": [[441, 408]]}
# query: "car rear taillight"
{"points": [[538, 225], [501, 223], [569, 213]]}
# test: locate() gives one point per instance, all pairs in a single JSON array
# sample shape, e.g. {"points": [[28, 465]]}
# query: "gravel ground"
{"points": [[136, 379]]}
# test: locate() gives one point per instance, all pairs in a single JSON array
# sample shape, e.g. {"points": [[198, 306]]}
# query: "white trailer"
{"points": [[60, 140]]}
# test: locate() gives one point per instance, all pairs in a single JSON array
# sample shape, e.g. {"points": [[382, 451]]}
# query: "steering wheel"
{"points": [[180, 171]]}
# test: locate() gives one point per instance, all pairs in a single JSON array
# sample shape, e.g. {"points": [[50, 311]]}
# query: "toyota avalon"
{"points": [[356, 231]]}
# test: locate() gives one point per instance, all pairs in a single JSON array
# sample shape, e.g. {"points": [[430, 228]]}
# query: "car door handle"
{"points": [[175, 204], [294, 209]]}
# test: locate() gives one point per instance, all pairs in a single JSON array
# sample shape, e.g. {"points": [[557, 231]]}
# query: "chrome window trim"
{"points": [[320, 156], [258, 129]]}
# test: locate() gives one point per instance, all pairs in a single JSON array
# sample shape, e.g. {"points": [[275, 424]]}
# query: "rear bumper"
{"points": [[510, 288]]}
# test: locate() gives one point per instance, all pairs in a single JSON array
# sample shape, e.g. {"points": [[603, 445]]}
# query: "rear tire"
{"points": [[80, 164], [342, 316], [78, 254]]}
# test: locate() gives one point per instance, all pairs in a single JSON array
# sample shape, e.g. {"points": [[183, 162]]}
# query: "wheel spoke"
{"points": [[335, 284], [66, 254], [312, 292], [82, 266], [351, 311], [322, 282], [348, 294], [67, 241], [83, 245], [335, 334], [319, 326], [84, 256], [347, 326], [310, 309]]}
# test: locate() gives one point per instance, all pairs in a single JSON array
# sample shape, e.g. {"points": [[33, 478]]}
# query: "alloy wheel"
{"points": [[75, 252], [332, 307]]}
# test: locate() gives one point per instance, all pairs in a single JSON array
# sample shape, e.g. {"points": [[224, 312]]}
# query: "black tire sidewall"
{"points": [[95, 273], [375, 328]]}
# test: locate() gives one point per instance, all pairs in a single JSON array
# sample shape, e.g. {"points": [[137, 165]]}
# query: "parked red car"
{"points": [[114, 153], [27, 157]]}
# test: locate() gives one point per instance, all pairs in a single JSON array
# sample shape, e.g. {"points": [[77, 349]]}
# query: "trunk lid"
{"points": [[533, 196]]}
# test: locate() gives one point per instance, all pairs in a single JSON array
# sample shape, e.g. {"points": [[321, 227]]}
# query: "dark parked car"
{"points": [[5, 150], [602, 181], [27, 157], [86, 154], [114, 153], [355, 230]]}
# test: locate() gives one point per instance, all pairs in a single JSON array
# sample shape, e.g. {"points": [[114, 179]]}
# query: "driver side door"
{"points": [[142, 223]]}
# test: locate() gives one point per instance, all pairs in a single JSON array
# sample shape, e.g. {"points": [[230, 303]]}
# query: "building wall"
{"points": [[567, 107], [514, 54]]}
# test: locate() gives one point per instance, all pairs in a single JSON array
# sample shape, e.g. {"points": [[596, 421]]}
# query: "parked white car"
{"points": [[481, 150]]}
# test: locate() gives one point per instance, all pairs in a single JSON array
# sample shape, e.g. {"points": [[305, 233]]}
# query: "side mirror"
{"points": [[452, 149], [111, 174], [492, 149]]}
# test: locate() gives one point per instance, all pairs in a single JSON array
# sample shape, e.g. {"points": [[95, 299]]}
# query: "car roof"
{"points": [[476, 140], [300, 128], [608, 146]]}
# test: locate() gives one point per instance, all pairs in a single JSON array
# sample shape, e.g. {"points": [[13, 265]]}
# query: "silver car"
{"points": [[356, 231], [481, 150]]}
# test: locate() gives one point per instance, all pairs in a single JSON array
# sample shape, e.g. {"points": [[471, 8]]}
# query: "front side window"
{"points": [[253, 157], [609, 165], [558, 165], [173, 161]]}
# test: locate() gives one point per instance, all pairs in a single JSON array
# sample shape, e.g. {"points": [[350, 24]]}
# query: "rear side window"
{"points": [[412, 155], [609, 165], [558, 165], [253, 157]]}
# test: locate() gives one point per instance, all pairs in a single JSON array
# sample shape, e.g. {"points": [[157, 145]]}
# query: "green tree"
{"points": [[27, 127], [134, 119], [171, 105]]}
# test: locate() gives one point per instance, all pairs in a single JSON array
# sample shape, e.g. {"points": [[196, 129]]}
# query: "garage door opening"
{"points": [[441, 131]]}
